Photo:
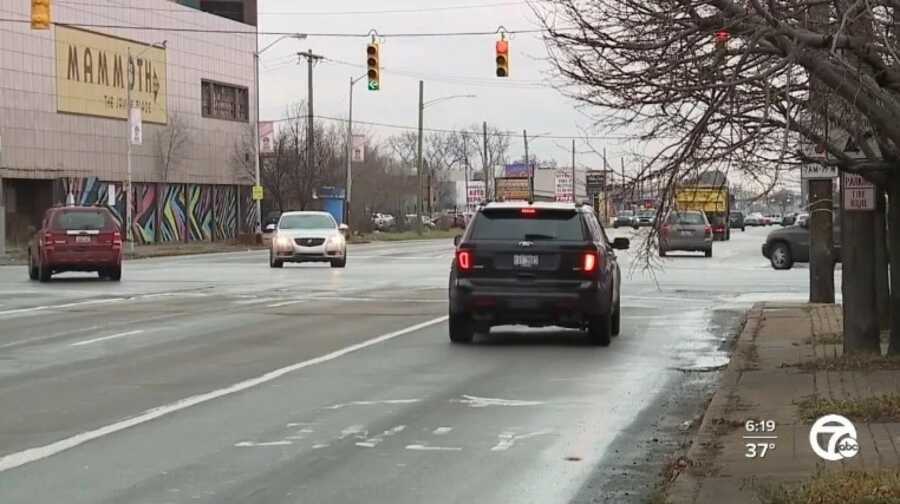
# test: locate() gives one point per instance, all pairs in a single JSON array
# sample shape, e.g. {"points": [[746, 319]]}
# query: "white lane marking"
{"points": [[319, 446], [374, 441], [482, 402], [440, 431], [33, 309], [419, 447], [105, 338], [372, 403], [508, 439], [287, 303], [21, 458], [353, 430], [251, 444]]}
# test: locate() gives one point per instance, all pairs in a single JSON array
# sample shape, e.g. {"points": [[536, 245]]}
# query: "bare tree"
{"points": [[172, 143], [739, 86]]}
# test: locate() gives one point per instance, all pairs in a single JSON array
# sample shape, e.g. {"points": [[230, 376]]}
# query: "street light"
{"points": [[296, 36], [349, 175], [422, 105], [131, 78]]}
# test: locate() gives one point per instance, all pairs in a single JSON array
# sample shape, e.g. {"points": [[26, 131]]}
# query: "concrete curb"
{"points": [[686, 486]]}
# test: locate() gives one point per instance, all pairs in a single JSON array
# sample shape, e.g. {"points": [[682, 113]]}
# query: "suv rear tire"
{"points": [[662, 252], [114, 273], [600, 330], [708, 252], [44, 272], [274, 263], [32, 269], [617, 320], [462, 328]]}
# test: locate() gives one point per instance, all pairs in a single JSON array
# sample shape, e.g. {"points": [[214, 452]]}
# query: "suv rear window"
{"points": [[513, 225], [82, 220], [687, 219]]}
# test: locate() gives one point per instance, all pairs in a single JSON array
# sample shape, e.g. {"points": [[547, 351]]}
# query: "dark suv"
{"points": [[539, 264]]}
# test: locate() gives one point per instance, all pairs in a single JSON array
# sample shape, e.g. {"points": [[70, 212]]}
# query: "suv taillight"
{"points": [[590, 262], [117, 240], [464, 260], [707, 230], [665, 230]]}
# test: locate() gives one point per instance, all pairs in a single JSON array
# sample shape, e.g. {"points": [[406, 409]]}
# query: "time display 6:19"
{"points": [[760, 426]]}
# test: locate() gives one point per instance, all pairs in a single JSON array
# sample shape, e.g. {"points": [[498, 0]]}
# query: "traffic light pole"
{"points": [[419, 160], [349, 173], [528, 167]]}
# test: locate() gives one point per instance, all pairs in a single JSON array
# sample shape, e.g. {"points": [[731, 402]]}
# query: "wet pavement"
{"points": [[217, 379]]}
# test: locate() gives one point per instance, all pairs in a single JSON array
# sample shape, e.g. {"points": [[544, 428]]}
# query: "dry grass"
{"points": [[852, 362], [883, 408], [850, 487]]}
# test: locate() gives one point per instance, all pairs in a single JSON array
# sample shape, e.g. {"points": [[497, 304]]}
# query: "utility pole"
{"points": [[349, 172], [528, 167], [484, 161], [622, 192], [419, 160], [310, 134], [465, 138], [574, 186]]}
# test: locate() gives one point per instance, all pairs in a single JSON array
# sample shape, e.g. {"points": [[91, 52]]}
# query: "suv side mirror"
{"points": [[270, 228], [456, 240], [621, 244], [343, 227]]}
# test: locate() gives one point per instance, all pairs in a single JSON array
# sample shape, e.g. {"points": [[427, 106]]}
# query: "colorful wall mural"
{"points": [[168, 212]]}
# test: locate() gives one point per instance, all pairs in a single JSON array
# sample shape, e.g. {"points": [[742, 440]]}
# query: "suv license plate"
{"points": [[82, 239], [525, 260]]}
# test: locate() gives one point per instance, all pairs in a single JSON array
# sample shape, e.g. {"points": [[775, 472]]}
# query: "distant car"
{"points": [[772, 219], [540, 264], [426, 221], [625, 218], [646, 218], [802, 219], [755, 219], [308, 237], [789, 219], [382, 222], [76, 239], [789, 245], [736, 221], [686, 230]]}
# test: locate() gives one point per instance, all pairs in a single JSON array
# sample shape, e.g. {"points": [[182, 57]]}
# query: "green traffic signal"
{"points": [[373, 85]]}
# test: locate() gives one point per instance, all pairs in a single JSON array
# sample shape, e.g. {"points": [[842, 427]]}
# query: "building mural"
{"points": [[169, 212]]}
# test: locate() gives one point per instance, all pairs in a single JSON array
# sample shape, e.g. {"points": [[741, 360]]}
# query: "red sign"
{"points": [[859, 193]]}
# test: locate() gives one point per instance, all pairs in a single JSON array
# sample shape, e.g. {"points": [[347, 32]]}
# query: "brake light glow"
{"points": [[707, 230], [464, 260], [528, 211], [589, 262]]}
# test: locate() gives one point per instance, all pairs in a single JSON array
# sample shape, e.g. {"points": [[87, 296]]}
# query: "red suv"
{"points": [[76, 239]]}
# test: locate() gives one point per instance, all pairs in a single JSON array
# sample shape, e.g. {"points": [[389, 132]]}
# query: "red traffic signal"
{"points": [[502, 50]]}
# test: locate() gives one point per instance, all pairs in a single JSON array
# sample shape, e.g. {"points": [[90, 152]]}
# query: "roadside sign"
{"points": [[815, 171], [136, 127], [595, 180], [358, 154], [476, 193], [257, 193], [859, 193], [111, 195], [564, 186], [507, 189]]}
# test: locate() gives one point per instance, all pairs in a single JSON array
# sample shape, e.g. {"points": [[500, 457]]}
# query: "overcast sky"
{"points": [[449, 66]]}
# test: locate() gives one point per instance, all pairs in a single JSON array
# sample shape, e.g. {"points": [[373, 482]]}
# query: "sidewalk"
{"points": [[787, 367]]}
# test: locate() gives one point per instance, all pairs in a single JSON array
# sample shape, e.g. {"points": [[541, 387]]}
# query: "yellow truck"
{"points": [[715, 201]]}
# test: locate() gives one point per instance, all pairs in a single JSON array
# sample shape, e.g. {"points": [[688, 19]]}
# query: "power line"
{"points": [[446, 130], [189, 10], [307, 34]]}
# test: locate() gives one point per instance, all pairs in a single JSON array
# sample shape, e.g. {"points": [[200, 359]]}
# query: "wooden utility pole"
{"points": [[528, 167], [484, 160], [311, 59]]}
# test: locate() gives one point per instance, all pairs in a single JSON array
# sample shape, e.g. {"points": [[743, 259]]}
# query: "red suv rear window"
{"points": [[82, 220]]}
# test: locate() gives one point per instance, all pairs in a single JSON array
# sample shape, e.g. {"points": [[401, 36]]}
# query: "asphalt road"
{"points": [[215, 379]]}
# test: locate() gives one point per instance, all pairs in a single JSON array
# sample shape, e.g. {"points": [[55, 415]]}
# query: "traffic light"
{"points": [[373, 53], [40, 14], [502, 49]]}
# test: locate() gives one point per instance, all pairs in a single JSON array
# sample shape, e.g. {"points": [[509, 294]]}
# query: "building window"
{"points": [[224, 101]]}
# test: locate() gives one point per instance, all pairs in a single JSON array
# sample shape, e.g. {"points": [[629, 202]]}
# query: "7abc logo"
{"points": [[840, 434]]}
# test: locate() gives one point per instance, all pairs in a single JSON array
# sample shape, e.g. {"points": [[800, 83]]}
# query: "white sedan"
{"points": [[308, 237]]}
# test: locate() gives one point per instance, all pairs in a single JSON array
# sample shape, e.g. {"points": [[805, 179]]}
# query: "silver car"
{"points": [[308, 237], [686, 230]]}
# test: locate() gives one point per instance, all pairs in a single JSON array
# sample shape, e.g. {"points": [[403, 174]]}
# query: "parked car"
{"points": [[789, 245], [308, 237], [789, 219], [426, 221], [755, 219], [802, 219], [625, 218], [76, 239], [772, 219], [736, 221], [382, 222], [540, 264], [646, 218], [686, 230]]}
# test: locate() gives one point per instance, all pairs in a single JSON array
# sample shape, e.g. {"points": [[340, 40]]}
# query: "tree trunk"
{"points": [[882, 280], [821, 240], [893, 244], [861, 333]]}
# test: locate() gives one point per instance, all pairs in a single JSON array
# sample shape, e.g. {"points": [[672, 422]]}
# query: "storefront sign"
{"points": [[91, 71]]}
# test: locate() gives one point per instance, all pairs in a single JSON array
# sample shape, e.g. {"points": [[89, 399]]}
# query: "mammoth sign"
{"points": [[92, 69]]}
